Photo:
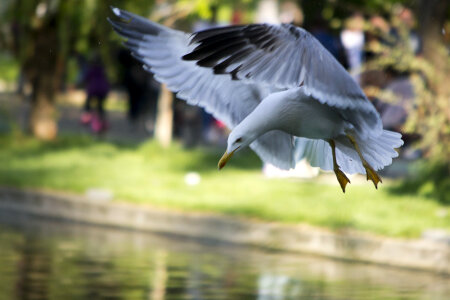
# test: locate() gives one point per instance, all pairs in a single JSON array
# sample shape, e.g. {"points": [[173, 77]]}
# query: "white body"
{"points": [[297, 114]]}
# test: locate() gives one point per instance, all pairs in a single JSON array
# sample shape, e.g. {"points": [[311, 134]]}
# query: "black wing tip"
{"points": [[219, 70], [117, 26], [189, 56], [191, 38], [200, 35], [234, 73], [194, 38], [207, 62]]}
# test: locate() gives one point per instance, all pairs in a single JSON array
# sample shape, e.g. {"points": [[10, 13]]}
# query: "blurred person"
{"points": [[291, 13], [321, 32], [82, 65], [142, 91], [267, 12], [404, 23], [352, 39], [397, 82], [97, 88], [377, 34], [393, 116], [191, 131], [236, 17]]}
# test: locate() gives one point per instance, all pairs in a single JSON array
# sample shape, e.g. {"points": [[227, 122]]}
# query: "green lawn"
{"points": [[9, 68], [147, 174]]}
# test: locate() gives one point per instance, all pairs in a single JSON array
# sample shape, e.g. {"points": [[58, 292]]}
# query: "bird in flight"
{"points": [[279, 90]]}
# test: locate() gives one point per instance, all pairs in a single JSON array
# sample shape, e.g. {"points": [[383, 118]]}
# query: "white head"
{"points": [[239, 138], [263, 118]]}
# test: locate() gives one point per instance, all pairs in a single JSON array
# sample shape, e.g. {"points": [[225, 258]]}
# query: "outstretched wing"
{"points": [[282, 55], [160, 50], [285, 56]]}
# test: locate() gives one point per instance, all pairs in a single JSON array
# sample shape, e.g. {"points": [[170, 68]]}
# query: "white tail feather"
{"points": [[377, 151]]}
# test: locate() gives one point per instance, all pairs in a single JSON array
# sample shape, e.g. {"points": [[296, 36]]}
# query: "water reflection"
{"points": [[56, 260]]}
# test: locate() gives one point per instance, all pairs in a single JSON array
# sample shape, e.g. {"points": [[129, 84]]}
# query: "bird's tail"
{"points": [[377, 151]]}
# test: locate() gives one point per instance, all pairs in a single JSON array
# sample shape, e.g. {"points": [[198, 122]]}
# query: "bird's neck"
{"points": [[264, 118]]}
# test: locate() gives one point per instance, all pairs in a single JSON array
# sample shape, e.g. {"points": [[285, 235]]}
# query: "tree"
{"points": [[168, 13], [429, 72], [43, 34], [38, 49], [433, 111]]}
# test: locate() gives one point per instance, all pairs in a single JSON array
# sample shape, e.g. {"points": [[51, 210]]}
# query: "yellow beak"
{"points": [[225, 158]]}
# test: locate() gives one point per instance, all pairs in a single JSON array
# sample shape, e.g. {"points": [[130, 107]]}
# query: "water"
{"points": [[41, 259]]}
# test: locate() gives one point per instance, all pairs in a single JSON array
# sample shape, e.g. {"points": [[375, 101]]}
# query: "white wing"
{"points": [[160, 50], [285, 56], [282, 55]]}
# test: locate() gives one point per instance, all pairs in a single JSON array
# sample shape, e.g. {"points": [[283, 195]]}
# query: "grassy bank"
{"points": [[148, 174]]}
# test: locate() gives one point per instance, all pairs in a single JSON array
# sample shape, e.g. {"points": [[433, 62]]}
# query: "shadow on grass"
{"points": [[26, 147], [431, 180], [20, 146]]}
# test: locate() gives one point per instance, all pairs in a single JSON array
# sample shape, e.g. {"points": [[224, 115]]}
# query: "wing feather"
{"points": [[160, 50], [284, 56]]}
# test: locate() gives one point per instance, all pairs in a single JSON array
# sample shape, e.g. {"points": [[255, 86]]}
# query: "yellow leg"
{"points": [[370, 172], [343, 180]]}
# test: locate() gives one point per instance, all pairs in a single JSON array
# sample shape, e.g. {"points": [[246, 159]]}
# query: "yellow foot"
{"points": [[372, 175], [343, 180]]}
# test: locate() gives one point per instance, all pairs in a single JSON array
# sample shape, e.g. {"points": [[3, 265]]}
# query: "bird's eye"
{"points": [[238, 140]]}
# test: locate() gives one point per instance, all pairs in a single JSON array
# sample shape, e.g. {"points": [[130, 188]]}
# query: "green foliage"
{"points": [[9, 68], [81, 27], [335, 11], [428, 116], [148, 174], [430, 179]]}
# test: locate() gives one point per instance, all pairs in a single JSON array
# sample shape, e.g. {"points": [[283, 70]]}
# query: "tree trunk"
{"points": [[164, 112], [43, 123], [164, 117], [431, 16], [41, 68]]}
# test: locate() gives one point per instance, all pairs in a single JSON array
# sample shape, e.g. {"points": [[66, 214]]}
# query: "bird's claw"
{"points": [[372, 175], [342, 178]]}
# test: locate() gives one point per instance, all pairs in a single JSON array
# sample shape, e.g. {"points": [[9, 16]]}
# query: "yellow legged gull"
{"points": [[275, 86]]}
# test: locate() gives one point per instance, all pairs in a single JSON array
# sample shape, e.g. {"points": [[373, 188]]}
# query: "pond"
{"points": [[49, 259]]}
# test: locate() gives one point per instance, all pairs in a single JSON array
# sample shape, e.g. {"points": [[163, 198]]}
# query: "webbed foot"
{"points": [[372, 175], [342, 178]]}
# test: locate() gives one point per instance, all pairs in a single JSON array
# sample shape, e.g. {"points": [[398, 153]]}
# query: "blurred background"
{"points": [[78, 114]]}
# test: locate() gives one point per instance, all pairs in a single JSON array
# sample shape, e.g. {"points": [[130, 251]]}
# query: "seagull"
{"points": [[275, 86]]}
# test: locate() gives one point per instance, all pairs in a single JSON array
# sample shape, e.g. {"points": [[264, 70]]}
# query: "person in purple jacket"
{"points": [[97, 88]]}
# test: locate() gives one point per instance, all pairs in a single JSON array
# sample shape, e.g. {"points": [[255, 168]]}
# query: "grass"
{"points": [[147, 174], [9, 68]]}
